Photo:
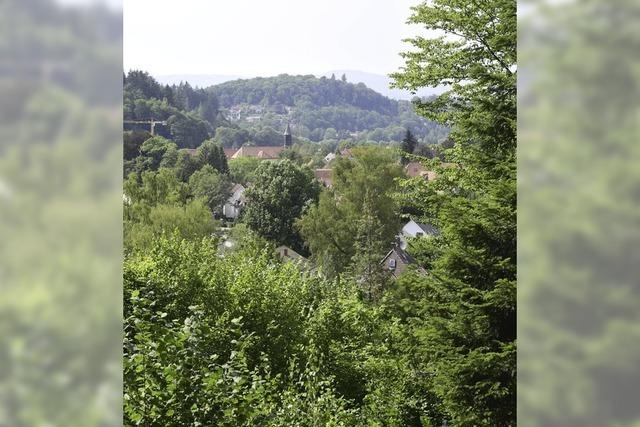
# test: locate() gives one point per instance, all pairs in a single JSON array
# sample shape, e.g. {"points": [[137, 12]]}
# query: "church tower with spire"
{"points": [[287, 136]]}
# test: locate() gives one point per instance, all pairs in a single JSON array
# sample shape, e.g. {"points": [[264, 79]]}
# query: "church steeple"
{"points": [[287, 136]]}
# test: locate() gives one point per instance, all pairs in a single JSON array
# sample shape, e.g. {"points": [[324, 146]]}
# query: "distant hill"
{"points": [[196, 80], [377, 82], [257, 109], [380, 83], [323, 108], [302, 91]]}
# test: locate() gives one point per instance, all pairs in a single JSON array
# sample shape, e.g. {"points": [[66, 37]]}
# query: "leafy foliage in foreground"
{"points": [[249, 341]]}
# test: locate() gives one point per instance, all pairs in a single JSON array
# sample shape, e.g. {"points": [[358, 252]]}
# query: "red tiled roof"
{"points": [[415, 169], [324, 176], [229, 152], [346, 153], [264, 152]]}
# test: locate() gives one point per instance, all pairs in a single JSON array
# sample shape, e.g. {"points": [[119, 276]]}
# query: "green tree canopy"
{"points": [[279, 195], [231, 137], [466, 305], [212, 153], [187, 131], [158, 202], [186, 165], [330, 227], [132, 142], [212, 187], [242, 169], [153, 151]]}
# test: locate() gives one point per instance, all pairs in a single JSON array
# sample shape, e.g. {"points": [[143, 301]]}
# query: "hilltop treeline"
{"points": [[191, 115], [318, 109], [303, 92], [329, 108]]}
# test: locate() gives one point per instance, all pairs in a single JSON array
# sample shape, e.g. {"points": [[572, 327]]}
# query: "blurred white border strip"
{"points": [[60, 214], [579, 222]]}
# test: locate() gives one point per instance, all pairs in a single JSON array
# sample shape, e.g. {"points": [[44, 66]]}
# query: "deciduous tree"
{"points": [[212, 187], [330, 227], [279, 195]]}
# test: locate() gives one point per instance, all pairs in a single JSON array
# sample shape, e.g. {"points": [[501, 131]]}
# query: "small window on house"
{"points": [[392, 264], [419, 234], [285, 252]]}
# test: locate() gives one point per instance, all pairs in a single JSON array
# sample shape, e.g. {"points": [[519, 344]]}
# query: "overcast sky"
{"points": [[263, 38]]}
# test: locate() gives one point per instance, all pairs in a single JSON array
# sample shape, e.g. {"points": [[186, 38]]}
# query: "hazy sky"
{"points": [[260, 37], [113, 4]]}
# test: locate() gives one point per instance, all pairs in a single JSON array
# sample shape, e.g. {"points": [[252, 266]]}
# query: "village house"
{"points": [[413, 229], [324, 176], [265, 152], [234, 205], [417, 169], [417, 229], [396, 261], [260, 152], [234, 113], [329, 157], [287, 254], [229, 152]]}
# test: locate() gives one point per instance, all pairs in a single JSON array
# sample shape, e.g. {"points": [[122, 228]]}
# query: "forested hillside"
{"points": [[306, 91], [255, 111], [320, 105], [189, 115]]}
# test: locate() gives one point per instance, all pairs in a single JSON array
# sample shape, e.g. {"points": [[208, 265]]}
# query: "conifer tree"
{"points": [[466, 322], [409, 144], [212, 153], [369, 246]]}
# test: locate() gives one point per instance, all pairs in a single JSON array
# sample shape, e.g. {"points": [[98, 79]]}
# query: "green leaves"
{"points": [[463, 313], [215, 342], [212, 187], [280, 193], [331, 227]]}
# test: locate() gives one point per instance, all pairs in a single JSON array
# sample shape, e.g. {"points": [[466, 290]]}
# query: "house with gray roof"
{"points": [[234, 205]]}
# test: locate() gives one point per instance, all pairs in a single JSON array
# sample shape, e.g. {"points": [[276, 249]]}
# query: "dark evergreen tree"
{"points": [[409, 144], [187, 131], [464, 311], [212, 153], [185, 166]]}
